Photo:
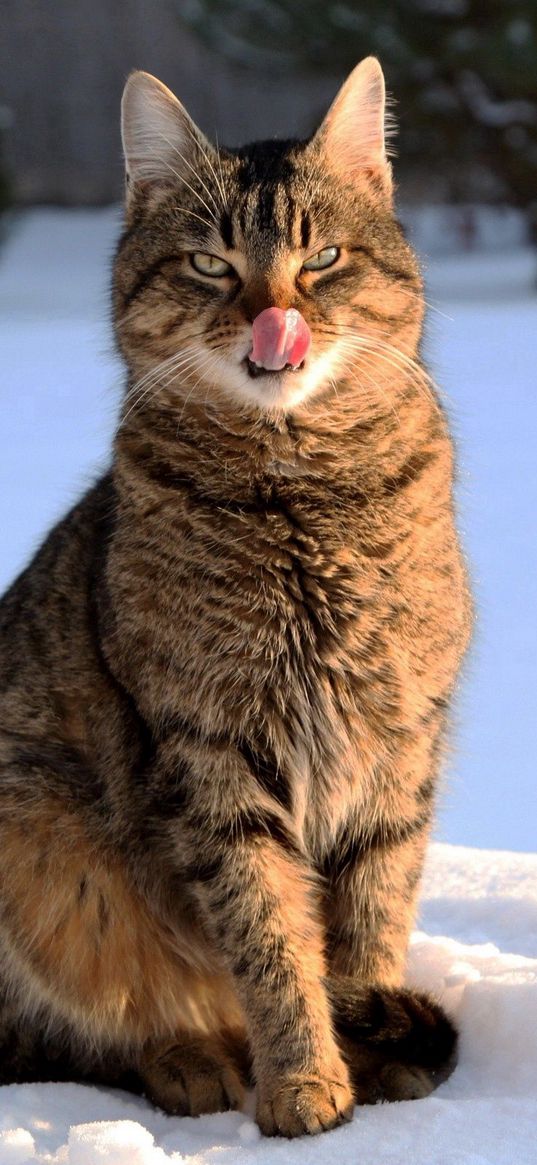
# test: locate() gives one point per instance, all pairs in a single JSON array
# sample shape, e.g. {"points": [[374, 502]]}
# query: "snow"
{"points": [[124, 1143], [477, 946]]}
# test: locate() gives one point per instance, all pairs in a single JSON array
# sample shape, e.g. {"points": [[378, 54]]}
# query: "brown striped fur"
{"points": [[224, 678]]}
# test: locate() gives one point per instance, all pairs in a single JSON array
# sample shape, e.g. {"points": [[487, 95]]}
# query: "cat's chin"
{"points": [[274, 391], [273, 388]]}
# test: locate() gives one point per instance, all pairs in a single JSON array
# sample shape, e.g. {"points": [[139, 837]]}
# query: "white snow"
{"points": [[122, 1142], [478, 944], [17, 1145]]}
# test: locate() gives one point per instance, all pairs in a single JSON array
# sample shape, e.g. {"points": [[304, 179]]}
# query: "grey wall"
{"points": [[63, 64]]}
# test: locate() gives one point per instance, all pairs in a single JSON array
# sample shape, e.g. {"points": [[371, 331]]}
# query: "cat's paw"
{"points": [[192, 1077], [304, 1105], [398, 1044], [377, 1076], [405, 1082]]}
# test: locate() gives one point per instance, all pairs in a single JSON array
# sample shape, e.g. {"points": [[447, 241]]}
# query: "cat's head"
{"points": [[267, 276]]}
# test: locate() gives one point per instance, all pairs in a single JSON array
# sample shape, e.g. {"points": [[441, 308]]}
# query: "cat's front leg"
{"points": [[399, 1044], [262, 912], [372, 880], [259, 902]]}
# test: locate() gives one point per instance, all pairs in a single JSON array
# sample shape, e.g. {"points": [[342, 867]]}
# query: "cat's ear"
{"points": [[161, 143], [353, 133]]}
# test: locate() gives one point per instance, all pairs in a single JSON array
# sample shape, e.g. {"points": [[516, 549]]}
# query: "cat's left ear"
{"points": [[353, 133], [161, 143]]}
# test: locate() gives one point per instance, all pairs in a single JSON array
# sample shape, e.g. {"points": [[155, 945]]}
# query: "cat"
{"points": [[225, 677]]}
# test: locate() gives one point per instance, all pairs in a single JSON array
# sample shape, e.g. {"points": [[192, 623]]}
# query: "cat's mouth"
{"points": [[254, 370], [281, 340]]}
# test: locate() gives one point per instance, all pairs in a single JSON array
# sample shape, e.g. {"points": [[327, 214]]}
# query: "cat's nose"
{"points": [[279, 337]]}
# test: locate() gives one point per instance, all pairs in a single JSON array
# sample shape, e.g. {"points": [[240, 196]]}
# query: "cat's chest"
{"points": [[262, 622], [280, 598], [294, 578], [253, 614]]}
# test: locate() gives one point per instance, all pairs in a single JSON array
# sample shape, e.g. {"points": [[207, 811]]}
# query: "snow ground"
{"points": [[58, 404]]}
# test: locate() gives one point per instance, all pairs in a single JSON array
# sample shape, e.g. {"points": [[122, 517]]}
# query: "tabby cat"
{"points": [[225, 675]]}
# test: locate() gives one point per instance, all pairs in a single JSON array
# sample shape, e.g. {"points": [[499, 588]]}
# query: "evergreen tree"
{"points": [[464, 72]]}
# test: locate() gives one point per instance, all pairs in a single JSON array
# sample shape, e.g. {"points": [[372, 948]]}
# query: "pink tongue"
{"points": [[278, 338]]}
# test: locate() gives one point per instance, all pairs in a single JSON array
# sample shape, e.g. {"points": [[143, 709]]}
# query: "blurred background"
{"points": [[464, 77]]}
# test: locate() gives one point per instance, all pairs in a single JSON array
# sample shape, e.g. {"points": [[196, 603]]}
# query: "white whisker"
{"points": [[196, 193], [192, 169], [432, 307], [392, 357], [186, 210], [205, 155], [220, 171], [177, 363]]}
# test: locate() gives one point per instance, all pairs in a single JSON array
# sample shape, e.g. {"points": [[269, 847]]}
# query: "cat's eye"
{"points": [[323, 259], [210, 265]]}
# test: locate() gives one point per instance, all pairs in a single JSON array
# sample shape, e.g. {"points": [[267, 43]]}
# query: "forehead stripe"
{"points": [[226, 228], [265, 207], [291, 221], [305, 229]]}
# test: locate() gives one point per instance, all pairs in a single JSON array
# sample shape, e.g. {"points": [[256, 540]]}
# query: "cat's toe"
{"points": [[405, 1082], [304, 1106]]}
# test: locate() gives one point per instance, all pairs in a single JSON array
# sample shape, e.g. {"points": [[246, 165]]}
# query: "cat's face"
{"points": [[221, 244]]}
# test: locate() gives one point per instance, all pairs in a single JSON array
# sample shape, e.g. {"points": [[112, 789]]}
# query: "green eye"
{"points": [[210, 265], [325, 258]]}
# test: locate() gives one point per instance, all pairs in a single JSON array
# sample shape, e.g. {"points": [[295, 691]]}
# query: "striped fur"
{"points": [[225, 676]]}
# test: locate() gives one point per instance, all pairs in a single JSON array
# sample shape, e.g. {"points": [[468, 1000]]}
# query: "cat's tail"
{"points": [[399, 1044]]}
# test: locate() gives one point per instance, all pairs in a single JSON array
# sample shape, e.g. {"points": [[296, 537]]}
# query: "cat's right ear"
{"points": [[352, 136], [160, 140]]}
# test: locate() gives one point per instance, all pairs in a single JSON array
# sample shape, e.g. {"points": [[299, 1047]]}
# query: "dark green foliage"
{"points": [[5, 190], [464, 72]]}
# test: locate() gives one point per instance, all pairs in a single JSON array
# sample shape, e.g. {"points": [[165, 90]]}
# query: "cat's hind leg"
{"points": [[98, 986], [193, 1074], [187, 1076]]}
